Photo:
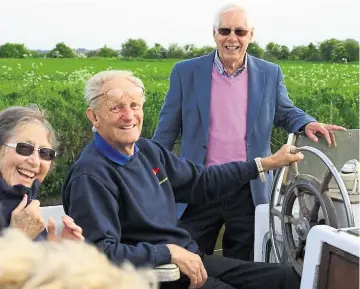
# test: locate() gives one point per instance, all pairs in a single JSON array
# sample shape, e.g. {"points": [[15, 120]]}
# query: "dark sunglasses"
{"points": [[26, 149], [238, 31]]}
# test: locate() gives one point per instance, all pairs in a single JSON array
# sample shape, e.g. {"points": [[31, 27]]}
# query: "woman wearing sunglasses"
{"points": [[27, 150]]}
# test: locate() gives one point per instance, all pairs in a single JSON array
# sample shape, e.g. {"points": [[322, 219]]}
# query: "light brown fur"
{"points": [[65, 265]]}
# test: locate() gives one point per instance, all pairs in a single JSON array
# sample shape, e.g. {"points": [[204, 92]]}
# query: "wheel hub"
{"points": [[302, 227]]}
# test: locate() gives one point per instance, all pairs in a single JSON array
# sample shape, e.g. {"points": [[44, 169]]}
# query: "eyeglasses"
{"points": [[26, 149], [238, 31], [117, 92]]}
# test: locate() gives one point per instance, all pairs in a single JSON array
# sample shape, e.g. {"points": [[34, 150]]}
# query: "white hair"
{"points": [[94, 84], [232, 7]]}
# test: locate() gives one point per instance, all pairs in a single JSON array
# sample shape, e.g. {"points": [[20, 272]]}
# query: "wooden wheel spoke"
{"points": [[276, 213], [303, 210], [299, 250]]}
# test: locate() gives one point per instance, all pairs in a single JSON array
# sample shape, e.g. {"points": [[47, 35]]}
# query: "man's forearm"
{"points": [[141, 254]]}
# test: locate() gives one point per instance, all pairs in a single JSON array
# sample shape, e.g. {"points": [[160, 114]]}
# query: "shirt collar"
{"points": [[111, 153], [221, 69]]}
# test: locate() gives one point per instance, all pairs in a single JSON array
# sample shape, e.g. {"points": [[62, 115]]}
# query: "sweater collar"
{"points": [[19, 190], [111, 153]]}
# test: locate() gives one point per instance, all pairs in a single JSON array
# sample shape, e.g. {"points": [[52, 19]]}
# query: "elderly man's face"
{"points": [[232, 48], [119, 117]]}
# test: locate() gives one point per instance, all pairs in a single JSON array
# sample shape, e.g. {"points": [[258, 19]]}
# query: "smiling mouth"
{"points": [[232, 47], [127, 127], [26, 174]]}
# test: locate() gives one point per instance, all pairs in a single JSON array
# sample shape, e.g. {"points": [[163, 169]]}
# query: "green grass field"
{"points": [[322, 89], [329, 92], [299, 76]]}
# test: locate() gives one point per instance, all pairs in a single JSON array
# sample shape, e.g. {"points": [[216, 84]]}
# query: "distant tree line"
{"points": [[333, 50]]}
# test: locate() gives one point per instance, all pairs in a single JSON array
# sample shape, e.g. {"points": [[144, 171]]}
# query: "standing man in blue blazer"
{"points": [[224, 106]]}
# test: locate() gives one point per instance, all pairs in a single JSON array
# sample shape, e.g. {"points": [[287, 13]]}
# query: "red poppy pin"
{"points": [[156, 170]]}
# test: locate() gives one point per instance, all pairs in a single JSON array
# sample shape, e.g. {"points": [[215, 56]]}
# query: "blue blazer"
{"points": [[186, 110]]}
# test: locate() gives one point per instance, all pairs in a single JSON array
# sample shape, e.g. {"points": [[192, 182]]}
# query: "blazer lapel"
{"points": [[256, 88], [202, 82]]}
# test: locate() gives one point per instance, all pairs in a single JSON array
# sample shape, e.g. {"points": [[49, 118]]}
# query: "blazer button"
{"points": [[204, 147]]}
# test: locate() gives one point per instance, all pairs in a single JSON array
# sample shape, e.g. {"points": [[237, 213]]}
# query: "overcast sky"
{"points": [[91, 24]]}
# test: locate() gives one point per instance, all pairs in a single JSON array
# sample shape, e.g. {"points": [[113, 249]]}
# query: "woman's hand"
{"points": [[28, 218], [71, 231]]}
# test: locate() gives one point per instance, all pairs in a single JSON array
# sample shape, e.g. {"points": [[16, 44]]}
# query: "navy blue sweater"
{"points": [[129, 211], [10, 197]]}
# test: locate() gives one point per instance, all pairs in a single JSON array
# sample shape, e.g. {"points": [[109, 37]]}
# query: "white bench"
{"points": [[164, 273]]}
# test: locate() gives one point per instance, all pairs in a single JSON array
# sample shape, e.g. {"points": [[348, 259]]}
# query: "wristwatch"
{"points": [[260, 170]]}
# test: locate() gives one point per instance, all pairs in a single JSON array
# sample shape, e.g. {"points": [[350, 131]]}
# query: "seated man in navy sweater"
{"points": [[122, 192]]}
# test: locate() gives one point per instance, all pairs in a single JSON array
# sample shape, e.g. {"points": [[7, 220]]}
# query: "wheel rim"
{"points": [[319, 191]]}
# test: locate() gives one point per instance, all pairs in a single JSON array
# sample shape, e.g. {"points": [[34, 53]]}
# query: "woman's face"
{"points": [[18, 169]]}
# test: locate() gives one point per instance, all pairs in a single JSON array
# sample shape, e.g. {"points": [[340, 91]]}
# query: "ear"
{"points": [[214, 33], [92, 116], [252, 35]]}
